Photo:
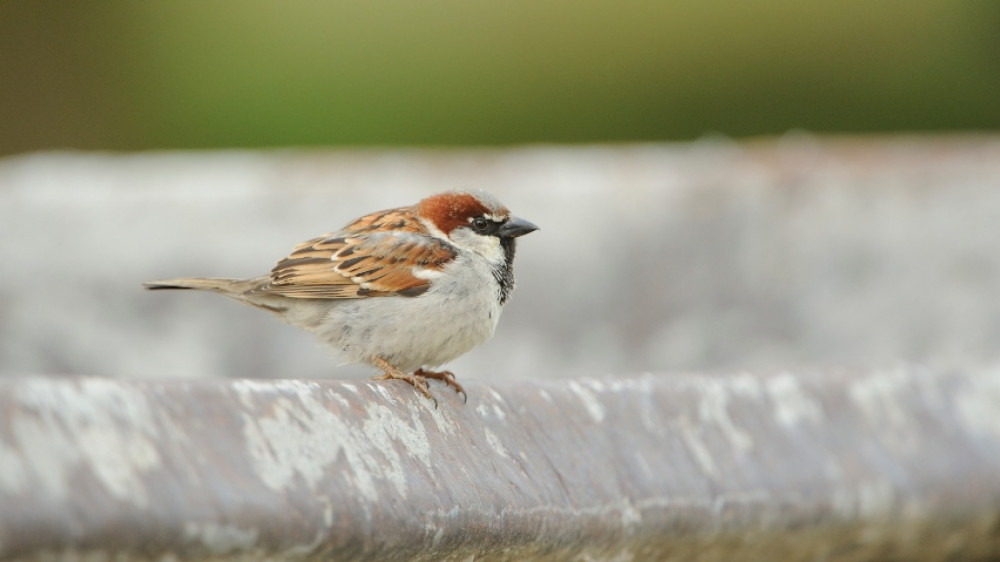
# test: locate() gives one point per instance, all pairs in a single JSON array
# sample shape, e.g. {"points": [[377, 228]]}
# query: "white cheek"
{"points": [[486, 246]]}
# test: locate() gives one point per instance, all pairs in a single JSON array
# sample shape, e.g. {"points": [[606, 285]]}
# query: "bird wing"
{"points": [[361, 262]]}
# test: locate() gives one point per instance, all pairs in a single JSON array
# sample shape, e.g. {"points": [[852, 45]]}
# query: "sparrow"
{"points": [[404, 290]]}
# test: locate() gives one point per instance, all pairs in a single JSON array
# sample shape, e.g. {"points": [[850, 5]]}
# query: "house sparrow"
{"points": [[401, 289]]}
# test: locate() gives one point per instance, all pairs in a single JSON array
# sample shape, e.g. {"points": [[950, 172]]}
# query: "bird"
{"points": [[404, 290]]}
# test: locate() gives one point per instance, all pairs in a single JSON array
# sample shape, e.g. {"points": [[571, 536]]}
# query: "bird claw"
{"points": [[418, 382], [418, 379], [447, 377]]}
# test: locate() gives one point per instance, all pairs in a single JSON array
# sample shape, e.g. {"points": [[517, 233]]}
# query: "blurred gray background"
{"points": [[715, 255]]}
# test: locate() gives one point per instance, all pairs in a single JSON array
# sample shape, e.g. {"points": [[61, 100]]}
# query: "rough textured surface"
{"points": [[889, 465], [789, 253]]}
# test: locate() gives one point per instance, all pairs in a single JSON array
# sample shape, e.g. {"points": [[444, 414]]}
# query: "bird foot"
{"points": [[390, 372], [447, 377]]}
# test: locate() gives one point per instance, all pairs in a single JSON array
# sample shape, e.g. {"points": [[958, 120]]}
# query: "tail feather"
{"points": [[244, 290], [218, 285]]}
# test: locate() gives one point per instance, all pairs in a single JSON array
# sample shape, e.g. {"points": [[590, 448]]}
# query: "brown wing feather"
{"points": [[363, 260]]}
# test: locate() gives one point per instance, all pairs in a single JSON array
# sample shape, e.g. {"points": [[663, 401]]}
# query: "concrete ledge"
{"points": [[890, 465]]}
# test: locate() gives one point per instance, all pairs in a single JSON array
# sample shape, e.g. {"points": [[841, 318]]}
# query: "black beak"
{"points": [[516, 227]]}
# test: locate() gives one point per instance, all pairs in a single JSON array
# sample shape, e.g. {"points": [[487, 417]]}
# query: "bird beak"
{"points": [[516, 227]]}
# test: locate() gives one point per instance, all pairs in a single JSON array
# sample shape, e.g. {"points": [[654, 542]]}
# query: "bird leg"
{"points": [[391, 372], [447, 377]]}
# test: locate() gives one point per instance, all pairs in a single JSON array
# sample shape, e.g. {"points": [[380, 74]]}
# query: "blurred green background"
{"points": [[184, 74]]}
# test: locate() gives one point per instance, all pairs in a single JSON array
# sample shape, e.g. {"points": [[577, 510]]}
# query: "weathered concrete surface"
{"points": [[889, 465]]}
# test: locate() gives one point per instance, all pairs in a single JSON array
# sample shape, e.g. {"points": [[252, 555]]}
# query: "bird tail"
{"points": [[218, 285], [243, 290]]}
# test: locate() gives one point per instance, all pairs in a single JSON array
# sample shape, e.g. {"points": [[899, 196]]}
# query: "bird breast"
{"points": [[458, 312]]}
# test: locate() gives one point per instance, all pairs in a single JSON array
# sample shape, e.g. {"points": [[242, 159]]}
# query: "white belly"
{"points": [[459, 312]]}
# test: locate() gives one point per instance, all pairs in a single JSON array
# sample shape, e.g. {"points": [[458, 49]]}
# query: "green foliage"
{"points": [[217, 74]]}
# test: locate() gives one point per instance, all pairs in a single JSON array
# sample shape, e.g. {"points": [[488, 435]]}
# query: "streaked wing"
{"points": [[352, 264]]}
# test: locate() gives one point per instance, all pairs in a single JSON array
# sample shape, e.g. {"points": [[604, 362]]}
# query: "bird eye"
{"points": [[481, 224]]}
